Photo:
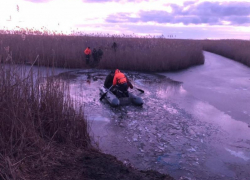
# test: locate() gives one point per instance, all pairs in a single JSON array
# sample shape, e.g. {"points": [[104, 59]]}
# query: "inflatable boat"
{"points": [[115, 101]]}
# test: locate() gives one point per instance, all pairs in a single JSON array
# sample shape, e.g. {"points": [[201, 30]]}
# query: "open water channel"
{"points": [[194, 124]]}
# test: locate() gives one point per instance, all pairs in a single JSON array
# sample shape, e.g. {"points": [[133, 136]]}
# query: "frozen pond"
{"points": [[194, 124]]}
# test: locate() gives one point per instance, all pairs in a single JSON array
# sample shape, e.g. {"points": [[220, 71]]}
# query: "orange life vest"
{"points": [[87, 51], [119, 78]]}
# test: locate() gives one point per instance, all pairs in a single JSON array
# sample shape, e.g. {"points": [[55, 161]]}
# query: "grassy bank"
{"points": [[141, 54], [34, 116], [237, 50]]}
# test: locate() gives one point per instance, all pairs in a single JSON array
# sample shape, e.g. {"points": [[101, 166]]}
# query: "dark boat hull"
{"points": [[115, 101]]}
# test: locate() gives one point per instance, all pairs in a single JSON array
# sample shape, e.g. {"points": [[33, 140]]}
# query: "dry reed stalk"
{"points": [[33, 117]]}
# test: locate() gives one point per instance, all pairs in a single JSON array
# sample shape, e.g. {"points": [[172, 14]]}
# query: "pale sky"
{"points": [[185, 19]]}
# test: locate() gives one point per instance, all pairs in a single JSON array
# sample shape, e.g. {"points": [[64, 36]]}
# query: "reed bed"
{"points": [[153, 54], [35, 114], [131, 53], [238, 50]]}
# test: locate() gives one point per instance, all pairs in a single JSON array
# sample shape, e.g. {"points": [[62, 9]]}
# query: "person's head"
{"points": [[112, 73], [117, 71], [89, 47]]}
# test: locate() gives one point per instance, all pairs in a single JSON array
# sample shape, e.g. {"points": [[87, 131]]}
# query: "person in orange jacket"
{"points": [[87, 53], [121, 82]]}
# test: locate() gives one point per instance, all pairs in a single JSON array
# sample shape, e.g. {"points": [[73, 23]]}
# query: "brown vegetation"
{"points": [[153, 54], [34, 116], [131, 53], [238, 50]]}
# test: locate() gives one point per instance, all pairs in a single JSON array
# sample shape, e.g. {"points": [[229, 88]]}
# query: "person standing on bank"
{"points": [[95, 55], [99, 54], [87, 53]]}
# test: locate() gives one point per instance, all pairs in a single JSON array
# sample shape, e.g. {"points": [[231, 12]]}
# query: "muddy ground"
{"points": [[69, 163]]}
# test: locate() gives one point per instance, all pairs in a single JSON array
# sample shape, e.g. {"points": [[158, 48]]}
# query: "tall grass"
{"points": [[238, 50], [33, 116], [132, 53], [153, 54]]}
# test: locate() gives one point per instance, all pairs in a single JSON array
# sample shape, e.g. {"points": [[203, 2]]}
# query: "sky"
{"points": [[181, 19]]}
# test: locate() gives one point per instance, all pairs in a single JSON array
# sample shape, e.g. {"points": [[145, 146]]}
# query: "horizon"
{"points": [[211, 19]]}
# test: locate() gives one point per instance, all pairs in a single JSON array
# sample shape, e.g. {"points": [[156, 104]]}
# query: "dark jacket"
{"points": [[100, 53], [109, 80]]}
